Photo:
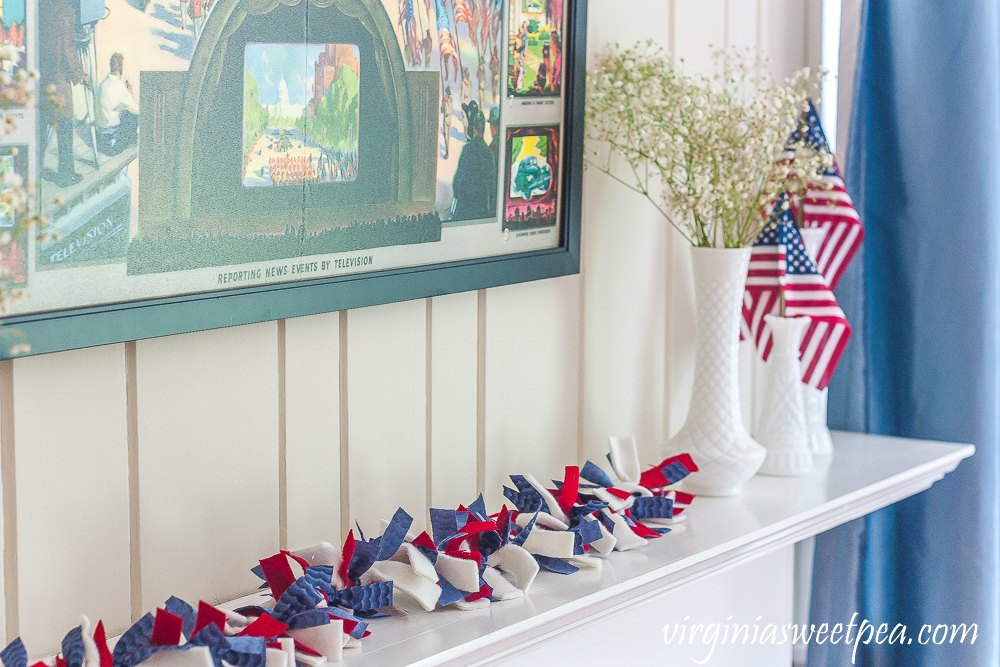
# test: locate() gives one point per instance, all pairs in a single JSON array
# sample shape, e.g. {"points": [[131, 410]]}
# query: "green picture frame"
{"points": [[58, 330]]}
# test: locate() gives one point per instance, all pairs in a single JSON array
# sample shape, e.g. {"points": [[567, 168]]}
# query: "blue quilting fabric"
{"points": [[72, 647], [135, 638], [15, 655], [376, 595], [581, 512], [675, 472], [592, 473], [309, 619], [556, 565], [525, 501], [523, 535], [449, 594], [444, 524], [394, 535], [301, 596], [363, 559], [243, 651], [652, 508], [478, 508], [589, 531], [179, 607]]}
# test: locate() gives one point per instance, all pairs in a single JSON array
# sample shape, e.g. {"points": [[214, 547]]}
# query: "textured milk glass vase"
{"points": [[783, 429], [713, 433], [820, 441]]}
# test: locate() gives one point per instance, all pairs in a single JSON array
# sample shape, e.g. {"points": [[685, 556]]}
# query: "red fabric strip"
{"points": [[167, 629], [265, 626], [303, 563], [207, 614], [484, 591], [652, 479], [278, 574], [570, 489], [624, 495], [466, 555], [101, 639], [424, 540], [302, 648], [345, 561]]}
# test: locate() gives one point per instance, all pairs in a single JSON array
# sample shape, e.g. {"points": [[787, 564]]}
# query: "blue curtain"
{"points": [[924, 299]]}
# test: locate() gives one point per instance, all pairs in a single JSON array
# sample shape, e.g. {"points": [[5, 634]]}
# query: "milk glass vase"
{"points": [[713, 433], [782, 428]]}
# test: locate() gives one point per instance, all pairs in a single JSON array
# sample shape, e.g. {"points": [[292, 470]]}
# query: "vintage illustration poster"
{"points": [[199, 145], [532, 177]]}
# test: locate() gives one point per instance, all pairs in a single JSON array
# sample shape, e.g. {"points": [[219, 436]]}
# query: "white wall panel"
{"points": [[454, 346], [312, 429], [619, 22], [72, 493], [386, 366], [532, 370], [208, 461], [783, 36], [742, 24], [699, 31], [624, 278]]}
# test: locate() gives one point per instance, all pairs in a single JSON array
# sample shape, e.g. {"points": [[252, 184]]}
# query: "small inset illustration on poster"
{"points": [[309, 134], [13, 258], [12, 38], [535, 48], [532, 181]]}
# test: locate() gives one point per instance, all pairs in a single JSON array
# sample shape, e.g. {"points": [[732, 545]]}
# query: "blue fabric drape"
{"points": [[924, 299]]}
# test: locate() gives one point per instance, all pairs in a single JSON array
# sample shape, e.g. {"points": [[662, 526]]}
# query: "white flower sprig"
{"points": [[718, 144]]}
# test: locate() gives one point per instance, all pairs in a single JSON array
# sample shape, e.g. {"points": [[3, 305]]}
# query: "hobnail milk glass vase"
{"points": [[713, 433], [783, 429], [820, 440]]}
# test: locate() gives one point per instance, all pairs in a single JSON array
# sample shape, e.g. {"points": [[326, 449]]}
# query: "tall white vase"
{"points": [[820, 440], [713, 433], [783, 428]]}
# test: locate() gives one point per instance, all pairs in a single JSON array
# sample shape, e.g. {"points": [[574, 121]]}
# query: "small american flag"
{"points": [[780, 266], [830, 208]]}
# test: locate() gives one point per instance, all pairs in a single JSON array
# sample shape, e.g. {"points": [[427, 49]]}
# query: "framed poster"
{"points": [[208, 163]]}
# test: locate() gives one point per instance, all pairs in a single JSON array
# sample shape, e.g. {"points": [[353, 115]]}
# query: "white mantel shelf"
{"points": [[866, 474]]}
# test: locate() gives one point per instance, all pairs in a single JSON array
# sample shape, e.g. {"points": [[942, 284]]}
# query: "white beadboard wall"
{"points": [[169, 466]]}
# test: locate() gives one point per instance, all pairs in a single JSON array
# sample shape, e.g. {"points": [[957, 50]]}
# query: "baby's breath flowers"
{"points": [[718, 144]]}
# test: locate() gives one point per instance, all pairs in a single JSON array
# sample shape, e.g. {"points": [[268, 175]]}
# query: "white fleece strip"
{"points": [[275, 657], [502, 589], [550, 500], [326, 639], [626, 538], [198, 656], [555, 544], [461, 573], [420, 563], [545, 520], [403, 577], [625, 458], [606, 544], [614, 502], [517, 562]]}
